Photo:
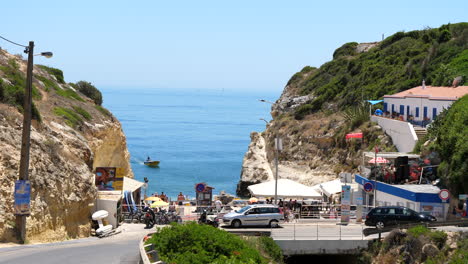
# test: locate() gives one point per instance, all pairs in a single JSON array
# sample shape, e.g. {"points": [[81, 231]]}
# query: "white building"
{"points": [[423, 102]]}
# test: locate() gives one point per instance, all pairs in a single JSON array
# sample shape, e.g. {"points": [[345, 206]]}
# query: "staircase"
{"points": [[420, 132]]}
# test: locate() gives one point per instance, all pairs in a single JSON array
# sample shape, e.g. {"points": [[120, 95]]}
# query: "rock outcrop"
{"points": [[63, 156]]}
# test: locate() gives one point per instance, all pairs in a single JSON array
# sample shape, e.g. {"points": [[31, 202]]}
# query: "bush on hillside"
{"points": [[398, 63], [90, 91], [55, 72], [449, 132], [193, 243], [348, 49]]}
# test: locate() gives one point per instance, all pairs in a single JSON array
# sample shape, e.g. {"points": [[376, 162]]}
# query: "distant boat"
{"points": [[152, 163]]}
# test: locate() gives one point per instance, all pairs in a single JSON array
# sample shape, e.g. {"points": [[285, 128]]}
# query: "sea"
{"points": [[198, 135]]}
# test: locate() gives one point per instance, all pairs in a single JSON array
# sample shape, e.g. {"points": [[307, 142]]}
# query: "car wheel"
{"points": [[274, 223], [380, 225], [236, 223]]}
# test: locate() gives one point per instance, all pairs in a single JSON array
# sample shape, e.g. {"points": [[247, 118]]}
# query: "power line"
{"points": [[14, 42]]}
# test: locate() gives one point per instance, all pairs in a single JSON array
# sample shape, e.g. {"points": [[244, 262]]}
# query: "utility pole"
{"points": [[278, 148], [26, 137]]}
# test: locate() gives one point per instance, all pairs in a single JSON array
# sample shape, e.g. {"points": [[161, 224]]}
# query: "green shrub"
{"points": [[348, 49], [194, 243], [90, 91], [302, 111], [103, 110], [71, 118], [69, 93], [271, 248], [55, 72], [419, 231], [82, 112], [439, 238]]}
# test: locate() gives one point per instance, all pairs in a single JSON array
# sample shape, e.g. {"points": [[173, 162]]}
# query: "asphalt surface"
{"points": [[119, 248]]}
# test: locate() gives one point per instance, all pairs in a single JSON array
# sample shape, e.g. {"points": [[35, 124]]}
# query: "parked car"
{"points": [[255, 215], [381, 217]]}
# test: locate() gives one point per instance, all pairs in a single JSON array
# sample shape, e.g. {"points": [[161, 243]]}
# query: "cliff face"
{"points": [[314, 149], [73, 137]]}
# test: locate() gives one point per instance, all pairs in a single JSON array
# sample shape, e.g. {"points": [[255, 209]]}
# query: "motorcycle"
{"points": [[208, 219], [149, 218]]}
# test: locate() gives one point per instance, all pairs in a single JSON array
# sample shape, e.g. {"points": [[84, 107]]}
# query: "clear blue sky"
{"points": [[239, 44]]}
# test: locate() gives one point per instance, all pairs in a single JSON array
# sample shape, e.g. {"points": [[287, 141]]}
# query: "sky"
{"points": [[241, 45]]}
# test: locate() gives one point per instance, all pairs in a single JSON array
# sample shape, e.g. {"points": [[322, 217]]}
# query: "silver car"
{"points": [[255, 215]]}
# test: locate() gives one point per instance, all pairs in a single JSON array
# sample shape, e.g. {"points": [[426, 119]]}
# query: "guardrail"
{"points": [[318, 231], [373, 231]]}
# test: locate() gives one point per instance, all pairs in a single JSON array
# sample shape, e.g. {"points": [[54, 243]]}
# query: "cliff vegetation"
{"points": [[71, 135]]}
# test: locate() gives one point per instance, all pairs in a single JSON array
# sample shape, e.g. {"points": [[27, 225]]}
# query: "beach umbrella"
{"points": [[379, 160], [153, 198], [159, 204], [253, 200]]}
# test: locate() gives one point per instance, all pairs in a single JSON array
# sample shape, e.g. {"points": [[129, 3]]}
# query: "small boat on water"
{"points": [[151, 163]]}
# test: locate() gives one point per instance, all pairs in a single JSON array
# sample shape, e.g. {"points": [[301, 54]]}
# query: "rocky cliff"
{"points": [[70, 136]]}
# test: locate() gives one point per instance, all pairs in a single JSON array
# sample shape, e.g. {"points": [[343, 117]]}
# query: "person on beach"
{"points": [[180, 197]]}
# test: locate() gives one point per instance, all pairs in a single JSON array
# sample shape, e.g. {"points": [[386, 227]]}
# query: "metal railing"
{"points": [[318, 231]]}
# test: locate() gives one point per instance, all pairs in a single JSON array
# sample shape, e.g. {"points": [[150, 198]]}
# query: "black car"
{"points": [[381, 217]]}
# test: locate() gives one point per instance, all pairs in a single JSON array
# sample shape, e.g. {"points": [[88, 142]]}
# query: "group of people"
{"points": [[162, 196]]}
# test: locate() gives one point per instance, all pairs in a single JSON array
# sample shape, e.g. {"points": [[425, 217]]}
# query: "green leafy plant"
{"points": [[53, 71], [194, 243], [82, 112], [71, 117], [90, 91]]}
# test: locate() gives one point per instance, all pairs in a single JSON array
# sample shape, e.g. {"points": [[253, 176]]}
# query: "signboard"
{"points": [[109, 178], [353, 135], [200, 187], [463, 197], [444, 194], [345, 203], [22, 197], [368, 187]]}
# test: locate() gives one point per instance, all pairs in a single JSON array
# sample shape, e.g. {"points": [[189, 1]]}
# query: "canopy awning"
{"points": [[131, 184], [331, 187], [373, 102], [286, 189]]}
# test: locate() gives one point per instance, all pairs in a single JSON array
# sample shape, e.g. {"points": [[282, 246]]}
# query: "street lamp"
{"points": [[278, 148], [26, 134]]}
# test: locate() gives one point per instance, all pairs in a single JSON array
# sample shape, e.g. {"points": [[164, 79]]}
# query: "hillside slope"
{"points": [[320, 105], [70, 136]]}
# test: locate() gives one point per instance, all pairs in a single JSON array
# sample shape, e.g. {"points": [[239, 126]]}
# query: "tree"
{"points": [[90, 91]]}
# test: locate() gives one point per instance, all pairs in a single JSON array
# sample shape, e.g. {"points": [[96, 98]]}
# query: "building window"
{"points": [[385, 107], [434, 113], [402, 109], [393, 108], [417, 112], [425, 112]]}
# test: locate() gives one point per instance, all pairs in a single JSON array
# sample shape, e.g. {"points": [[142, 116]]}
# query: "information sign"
{"points": [[22, 197]]}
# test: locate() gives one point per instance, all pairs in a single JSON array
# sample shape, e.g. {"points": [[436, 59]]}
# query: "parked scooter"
{"points": [[208, 219], [150, 217]]}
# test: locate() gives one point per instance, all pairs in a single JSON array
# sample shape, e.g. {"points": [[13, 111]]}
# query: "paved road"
{"points": [[120, 248]]}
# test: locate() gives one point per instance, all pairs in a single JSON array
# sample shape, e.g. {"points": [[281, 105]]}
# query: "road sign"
{"points": [[200, 187], [444, 194], [368, 187]]}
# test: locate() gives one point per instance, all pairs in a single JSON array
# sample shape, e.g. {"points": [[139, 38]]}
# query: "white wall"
{"points": [[417, 102], [401, 132]]}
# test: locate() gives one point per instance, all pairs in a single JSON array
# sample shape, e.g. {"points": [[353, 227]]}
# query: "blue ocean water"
{"points": [[198, 135]]}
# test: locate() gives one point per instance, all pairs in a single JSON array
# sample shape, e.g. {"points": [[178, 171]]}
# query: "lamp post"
{"points": [[278, 148], [26, 134]]}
